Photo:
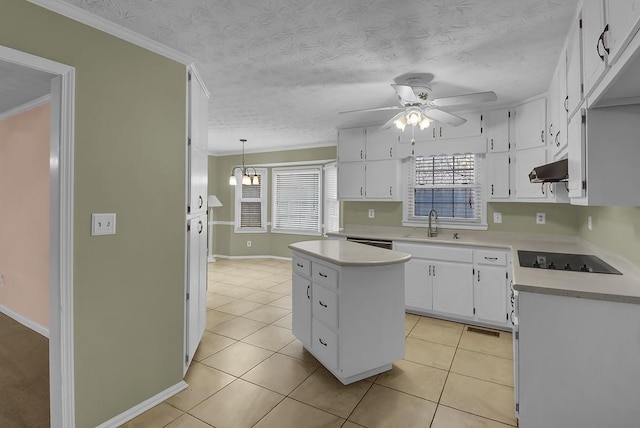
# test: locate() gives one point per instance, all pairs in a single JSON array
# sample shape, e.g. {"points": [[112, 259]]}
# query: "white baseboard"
{"points": [[139, 409], [223, 256], [40, 329]]}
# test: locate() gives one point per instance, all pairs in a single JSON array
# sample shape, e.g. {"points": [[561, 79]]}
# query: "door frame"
{"points": [[61, 358]]}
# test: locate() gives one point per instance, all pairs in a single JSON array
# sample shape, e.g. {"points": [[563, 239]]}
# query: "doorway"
{"points": [[60, 276]]}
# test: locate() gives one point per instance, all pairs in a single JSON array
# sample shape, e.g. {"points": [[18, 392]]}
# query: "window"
{"points": [[450, 184], [331, 202], [251, 204], [297, 200]]}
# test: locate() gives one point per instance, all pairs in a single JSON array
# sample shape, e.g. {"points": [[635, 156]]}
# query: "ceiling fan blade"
{"points": [[445, 117], [478, 97], [406, 93], [371, 109], [389, 122]]}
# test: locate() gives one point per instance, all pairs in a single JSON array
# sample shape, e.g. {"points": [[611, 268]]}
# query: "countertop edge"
{"points": [[385, 262]]}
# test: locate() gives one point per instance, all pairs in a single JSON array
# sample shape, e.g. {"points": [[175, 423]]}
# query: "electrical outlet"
{"points": [[372, 213], [249, 244], [589, 223], [497, 218], [103, 224], [541, 218]]}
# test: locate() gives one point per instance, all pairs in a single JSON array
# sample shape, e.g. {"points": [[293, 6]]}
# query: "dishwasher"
{"points": [[380, 243]]}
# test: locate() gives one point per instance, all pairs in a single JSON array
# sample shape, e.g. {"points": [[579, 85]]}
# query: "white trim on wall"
{"points": [[26, 107], [38, 328], [264, 256], [99, 23], [139, 409], [61, 358]]}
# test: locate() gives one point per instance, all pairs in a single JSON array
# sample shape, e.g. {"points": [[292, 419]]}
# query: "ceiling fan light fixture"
{"points": [[414, 116], [401, 122], [424, 122]]}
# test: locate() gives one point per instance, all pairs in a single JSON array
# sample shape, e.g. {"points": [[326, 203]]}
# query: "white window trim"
{"points": [[264, 175], [274, 229], [445, 222], [325, 214]]}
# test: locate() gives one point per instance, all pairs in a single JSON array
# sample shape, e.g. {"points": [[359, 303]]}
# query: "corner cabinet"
{"points": [[196, 215], [350, 317]]}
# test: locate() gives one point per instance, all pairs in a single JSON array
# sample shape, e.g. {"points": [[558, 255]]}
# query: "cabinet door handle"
{"points": [[601, 40], [201, 227], [434, 270], [542, 136], [429, 270], [492, 190], [478, 275], [542, 187], [200, 201], [322, 304], [308, 288], [360, 190], [391, 152], [492, 144], [551, 129], [566, 103], [558, 139], [434, 132], [322, 274], [440, 132], [361, 154], [322, 342], [299, 265], [390, 190], [490, 258], [512, 322]]}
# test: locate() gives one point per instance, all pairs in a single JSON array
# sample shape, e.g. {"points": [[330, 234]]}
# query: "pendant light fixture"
{"points": [[248, 178]]}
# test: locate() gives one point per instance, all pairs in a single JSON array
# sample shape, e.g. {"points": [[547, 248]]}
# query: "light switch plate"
{"points": [[103, 224], [589, 223], [541, 218], [497, 217], [372, 213]]}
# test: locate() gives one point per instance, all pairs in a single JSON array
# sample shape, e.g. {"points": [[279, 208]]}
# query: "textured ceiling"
{"points": [[279, 71], [19, 85]]}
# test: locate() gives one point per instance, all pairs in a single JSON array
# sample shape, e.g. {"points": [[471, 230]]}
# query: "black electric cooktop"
{"points": [[561, 261]]}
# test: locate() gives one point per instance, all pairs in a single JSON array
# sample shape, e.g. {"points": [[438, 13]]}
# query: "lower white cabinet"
{"points": [[351, 318], [469, 284], [196, 307]]}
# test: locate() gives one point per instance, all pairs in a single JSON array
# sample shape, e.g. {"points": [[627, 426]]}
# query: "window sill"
{"points": [[296, 232], [250, 230], [442, 225]]}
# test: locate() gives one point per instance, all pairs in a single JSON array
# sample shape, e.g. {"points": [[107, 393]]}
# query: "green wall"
{"points": [[521, 217], [129, 159], [227, 242]]}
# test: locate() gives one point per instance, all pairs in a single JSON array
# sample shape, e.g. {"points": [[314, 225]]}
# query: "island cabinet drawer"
{"points": [[450, 253], [490, 257], [325, 306], [324, 275], [301, 266], [325, 344]]}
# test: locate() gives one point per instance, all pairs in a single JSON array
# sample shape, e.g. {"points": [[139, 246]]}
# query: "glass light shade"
{"points": [[424, 123], [232, 180], [246, 180], [400, 122], [413, 118], [255, 180]]}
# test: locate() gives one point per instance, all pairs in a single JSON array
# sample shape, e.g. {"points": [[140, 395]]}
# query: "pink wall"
{"points": [[24, 213]]}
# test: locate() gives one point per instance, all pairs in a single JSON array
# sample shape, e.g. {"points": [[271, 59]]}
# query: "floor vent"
{"points": [[483, 331]]}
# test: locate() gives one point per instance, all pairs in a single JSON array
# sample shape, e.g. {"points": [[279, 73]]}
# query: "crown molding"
{"points": [[99, 23], [195, 73], [270, 149], [26, 106]]}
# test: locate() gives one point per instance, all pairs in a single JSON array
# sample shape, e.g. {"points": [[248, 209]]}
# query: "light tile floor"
{"points": [[250, 370]]}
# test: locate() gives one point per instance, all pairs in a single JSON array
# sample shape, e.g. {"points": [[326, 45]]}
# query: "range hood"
{"points": [[550, 173]]}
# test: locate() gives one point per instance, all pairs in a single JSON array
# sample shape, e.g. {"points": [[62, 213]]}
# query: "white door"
{"points": [[418, 292], [498, 175], [381, 143], [202, 274], [197, 148], [351, 180], [490, 294], [574, 71], [351, 145], [193, 286], [594, 56], [453, 288], [498, 131], [624, 18], [381, 180], [471, 128], [530, 124], [301, 312]]}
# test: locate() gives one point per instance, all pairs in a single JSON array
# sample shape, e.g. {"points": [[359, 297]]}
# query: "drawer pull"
{"points": [[322, 342], [490, 258], [322, 304], [299, 265], [322, 274], [308, 288]]}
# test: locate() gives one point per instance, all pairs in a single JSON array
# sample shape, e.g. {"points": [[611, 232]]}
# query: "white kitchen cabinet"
{"points": [[557, 109], [575, 88], [498, 173], [418, 292], [530, 124], [491, 276], [603, 156], [577, 362], [351, 180], [623, 17], [453, 288], [381, 144], [354, 324], [197, 148], [473, 127], [382, 180], [498, 131], [594, 43], [351, 145], [196, 298], [526, 160]]}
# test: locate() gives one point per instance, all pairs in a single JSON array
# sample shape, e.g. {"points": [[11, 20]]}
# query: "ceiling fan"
{"points": [[420, 110]]}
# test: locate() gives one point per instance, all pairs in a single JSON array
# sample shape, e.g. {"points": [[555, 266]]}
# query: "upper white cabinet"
{"points": [[381, 143], [473, 127], [351, 145], [557, 111], [382, 179], [594, 43], [499, 176], [623, 17], [351, 182], [574, 69], [197, 152], [530, 124], [498, 131]]}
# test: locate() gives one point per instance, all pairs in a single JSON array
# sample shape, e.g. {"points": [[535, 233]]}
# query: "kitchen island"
{"points": [[348, 306]]}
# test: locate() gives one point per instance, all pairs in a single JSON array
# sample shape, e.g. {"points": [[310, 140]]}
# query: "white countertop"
{"points": [[345, 253], [619, 288]]}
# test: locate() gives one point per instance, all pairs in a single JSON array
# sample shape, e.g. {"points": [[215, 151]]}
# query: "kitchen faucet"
{"points": [[433, 232]]}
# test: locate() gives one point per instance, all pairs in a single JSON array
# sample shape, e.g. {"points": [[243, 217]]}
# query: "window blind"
{"points": [[296, 201], [450, 184], [331, 202], [251, 204]]}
